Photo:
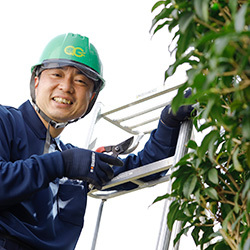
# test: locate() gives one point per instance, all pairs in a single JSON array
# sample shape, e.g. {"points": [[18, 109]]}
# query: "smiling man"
{"points": [[64, 93], [44, 182]]}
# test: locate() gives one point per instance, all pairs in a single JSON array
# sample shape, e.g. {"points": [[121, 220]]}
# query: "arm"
{"points": [[23, 172], [161, 144], [20, 179]]}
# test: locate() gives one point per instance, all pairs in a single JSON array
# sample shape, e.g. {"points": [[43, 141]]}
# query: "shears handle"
{"points": [[100, 150]]}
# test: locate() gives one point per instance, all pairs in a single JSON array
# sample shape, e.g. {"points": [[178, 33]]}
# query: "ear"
{"points": [[36, 81]]}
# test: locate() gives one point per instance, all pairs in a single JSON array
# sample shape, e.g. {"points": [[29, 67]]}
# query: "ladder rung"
{"points": [[133, 175]]}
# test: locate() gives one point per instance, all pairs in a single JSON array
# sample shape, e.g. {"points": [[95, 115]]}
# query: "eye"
{"points": [[56, 73], [82, 80]]}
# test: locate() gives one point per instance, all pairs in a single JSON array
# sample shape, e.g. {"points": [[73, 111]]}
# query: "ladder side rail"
{"points": [[98, 222], [96, 114], [166, 236]]}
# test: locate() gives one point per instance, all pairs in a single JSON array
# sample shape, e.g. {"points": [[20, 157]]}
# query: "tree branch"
{"points": [[228, 239]]}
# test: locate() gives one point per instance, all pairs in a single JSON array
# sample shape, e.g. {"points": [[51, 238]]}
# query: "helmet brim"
{"points": [[87, 71]]}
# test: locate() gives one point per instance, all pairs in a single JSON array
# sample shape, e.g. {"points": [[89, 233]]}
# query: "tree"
{"points": [[211, 184]]}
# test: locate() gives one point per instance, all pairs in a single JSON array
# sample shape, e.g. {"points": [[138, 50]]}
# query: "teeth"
{"points": [[62, 100]]}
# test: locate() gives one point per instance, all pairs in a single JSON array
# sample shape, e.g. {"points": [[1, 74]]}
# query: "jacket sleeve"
{"points": [[19, 179], [161, 144]]}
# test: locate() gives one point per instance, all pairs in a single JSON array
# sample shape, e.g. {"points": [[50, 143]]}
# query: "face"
{"points": [[63, 94]]}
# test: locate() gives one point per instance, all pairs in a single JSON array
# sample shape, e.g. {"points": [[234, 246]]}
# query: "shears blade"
{"points": [[120, 148]]}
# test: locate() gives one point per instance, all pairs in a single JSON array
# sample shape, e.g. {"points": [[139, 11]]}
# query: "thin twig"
{"points": [[227, 173], [205, 24]]}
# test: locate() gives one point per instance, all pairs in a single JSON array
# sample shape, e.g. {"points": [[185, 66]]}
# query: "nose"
{"points": [[66, 85]]}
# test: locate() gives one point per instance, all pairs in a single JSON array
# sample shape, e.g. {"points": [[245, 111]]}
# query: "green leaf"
{"points": [[237, 220], [246, 189], [181, 60], [210, 104], [227, 219], [184, 43], [160, 26], [220, 44], [240, 18], [195, 235], [192, 144], [178, 236], [233, 6], [210, 137], [159, 198], [197, 196], [185, 21], [221, 246], [207, 232], [213, 176], [189, 185], [212, 193], [162, 15], [244, 239], [246, 124], [212, 147], [178, 99], [159, 3], [182, 171], [171, 217], [201, 9], [237, 164], [236, 206]]}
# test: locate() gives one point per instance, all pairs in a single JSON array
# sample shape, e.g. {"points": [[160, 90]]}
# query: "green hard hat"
{"points": [[71, 50]]}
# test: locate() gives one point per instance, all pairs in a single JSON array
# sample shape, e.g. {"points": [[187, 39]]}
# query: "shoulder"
{"points": [[9, 114]]}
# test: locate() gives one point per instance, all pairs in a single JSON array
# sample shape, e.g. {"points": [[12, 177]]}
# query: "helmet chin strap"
{"points": [[55, 124], [52, 123]]}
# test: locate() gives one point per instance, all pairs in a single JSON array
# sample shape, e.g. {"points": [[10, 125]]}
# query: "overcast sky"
{"points": [[134, 64]]}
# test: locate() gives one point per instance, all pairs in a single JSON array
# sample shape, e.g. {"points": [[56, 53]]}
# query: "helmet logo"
{"points": [[74, 51]]}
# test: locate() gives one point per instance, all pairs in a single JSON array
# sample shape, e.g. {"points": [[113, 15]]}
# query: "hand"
{"points": [[171, 120], [89, 166], [182, 114]]}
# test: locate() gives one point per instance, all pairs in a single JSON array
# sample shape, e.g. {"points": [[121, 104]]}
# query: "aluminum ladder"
{"points": [[134, 175]]}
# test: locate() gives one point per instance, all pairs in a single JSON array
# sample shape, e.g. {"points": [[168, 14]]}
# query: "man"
{"points": [[43, 182]]}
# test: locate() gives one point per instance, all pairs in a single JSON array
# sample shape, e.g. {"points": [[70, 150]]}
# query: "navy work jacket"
{"points": [[38, 205]]}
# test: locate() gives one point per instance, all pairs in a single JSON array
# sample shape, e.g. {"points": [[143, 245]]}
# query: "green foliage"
{"points": [[211, 184]]}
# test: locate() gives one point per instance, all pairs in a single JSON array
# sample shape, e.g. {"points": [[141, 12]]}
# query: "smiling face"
{"points": [[63, 94]]}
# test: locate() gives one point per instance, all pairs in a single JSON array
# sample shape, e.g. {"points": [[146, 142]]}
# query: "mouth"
{"points": [[62, 100]]}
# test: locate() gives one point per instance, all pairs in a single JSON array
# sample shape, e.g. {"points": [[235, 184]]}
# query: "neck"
{"points": [[54, 132]]}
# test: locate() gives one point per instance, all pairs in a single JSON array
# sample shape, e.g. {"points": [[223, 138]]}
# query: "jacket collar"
{"points": [[32, 120]]}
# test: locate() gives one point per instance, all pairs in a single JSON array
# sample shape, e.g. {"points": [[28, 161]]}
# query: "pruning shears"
{"points": [[115, 150]]}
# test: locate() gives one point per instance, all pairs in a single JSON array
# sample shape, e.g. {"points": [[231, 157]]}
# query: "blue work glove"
{"points": [[174, 120], [90, 166], [182, 114]]}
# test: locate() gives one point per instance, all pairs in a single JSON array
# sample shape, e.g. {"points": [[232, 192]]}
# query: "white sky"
{"points": [[134, 63]]}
